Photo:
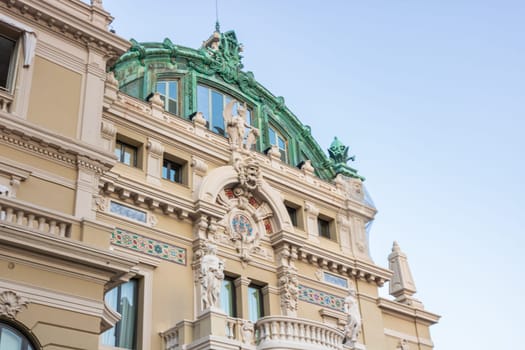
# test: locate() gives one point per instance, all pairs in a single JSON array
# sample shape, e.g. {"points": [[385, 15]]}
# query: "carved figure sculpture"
{"points": [[211, 276], [236, 126], [353, 325]]}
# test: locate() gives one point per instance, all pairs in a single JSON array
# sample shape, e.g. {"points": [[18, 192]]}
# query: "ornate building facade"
{"points": [[154, 196]]}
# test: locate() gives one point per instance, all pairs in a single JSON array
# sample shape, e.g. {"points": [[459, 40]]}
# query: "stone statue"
{"points": [[353, 325], [211, 276], [236, 126]]}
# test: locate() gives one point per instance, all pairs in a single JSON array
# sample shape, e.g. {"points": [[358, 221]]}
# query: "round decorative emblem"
{"points": [[242, 226]]}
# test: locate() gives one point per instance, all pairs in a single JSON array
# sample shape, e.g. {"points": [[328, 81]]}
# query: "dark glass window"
{"points": [[292, 212], [171, 171], [255, 303], [169, 93], [13, 339], [123, 299], [324, 228], [228, 297], [126, 153], [7, 58]]}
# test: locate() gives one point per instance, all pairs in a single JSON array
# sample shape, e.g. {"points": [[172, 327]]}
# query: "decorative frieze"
{"points": [[318, 297], [149, 246]]}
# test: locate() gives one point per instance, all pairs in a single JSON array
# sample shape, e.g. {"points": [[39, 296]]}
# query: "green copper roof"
{"points": [[218, 64]]}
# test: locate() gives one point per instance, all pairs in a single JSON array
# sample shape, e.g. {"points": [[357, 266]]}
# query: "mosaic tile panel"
{"points": [[149, 246], [318, 297]]}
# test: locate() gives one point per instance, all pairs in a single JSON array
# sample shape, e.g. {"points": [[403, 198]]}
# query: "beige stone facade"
{"points": [[77, 224]]}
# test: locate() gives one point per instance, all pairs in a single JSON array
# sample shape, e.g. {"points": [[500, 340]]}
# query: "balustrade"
{"points": [[293, 333], [5, 101], [14, 212]]}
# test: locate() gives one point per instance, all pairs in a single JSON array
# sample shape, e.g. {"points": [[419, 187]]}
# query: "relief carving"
{"points": [[11, 304], [247, 331], [289, 285]]}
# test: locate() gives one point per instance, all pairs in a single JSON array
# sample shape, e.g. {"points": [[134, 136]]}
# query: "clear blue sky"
{"points": [[430, 96]]}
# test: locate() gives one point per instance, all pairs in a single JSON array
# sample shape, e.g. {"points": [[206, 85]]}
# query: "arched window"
{"points": [[13, 339], [122, 299]]}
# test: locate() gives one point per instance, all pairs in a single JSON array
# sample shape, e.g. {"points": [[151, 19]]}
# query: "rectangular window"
{"points": [[171, 171], [169, 93], [128, 212], [278, 140], [211, 103], [8, 52], [324, 228], [255, 303], [123, 299], [228, 297], [126, 153], [292, 212]]}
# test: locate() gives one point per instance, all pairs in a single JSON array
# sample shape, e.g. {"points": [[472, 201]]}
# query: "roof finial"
{"points": [[217, 25]]}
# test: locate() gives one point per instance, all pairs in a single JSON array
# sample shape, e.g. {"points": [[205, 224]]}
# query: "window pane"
{"points": [[161, 88], [10, 340], [273, 140], [7, 47], [172, 90], [227, 297], [123, 334], [172, 106], [282, 144], [128, 310], [254, 303], [203, 102], [118, 152], [217, 123]]}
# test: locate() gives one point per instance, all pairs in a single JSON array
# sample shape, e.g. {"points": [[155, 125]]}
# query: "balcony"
{"points": [[215, 329], [280, 332]]}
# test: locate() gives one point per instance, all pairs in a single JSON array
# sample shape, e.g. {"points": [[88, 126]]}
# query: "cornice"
{"points": [[343, 265], [75, 255], [74, 19], [146, 196], [415, 313], [23, 135], [54, 298]]}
